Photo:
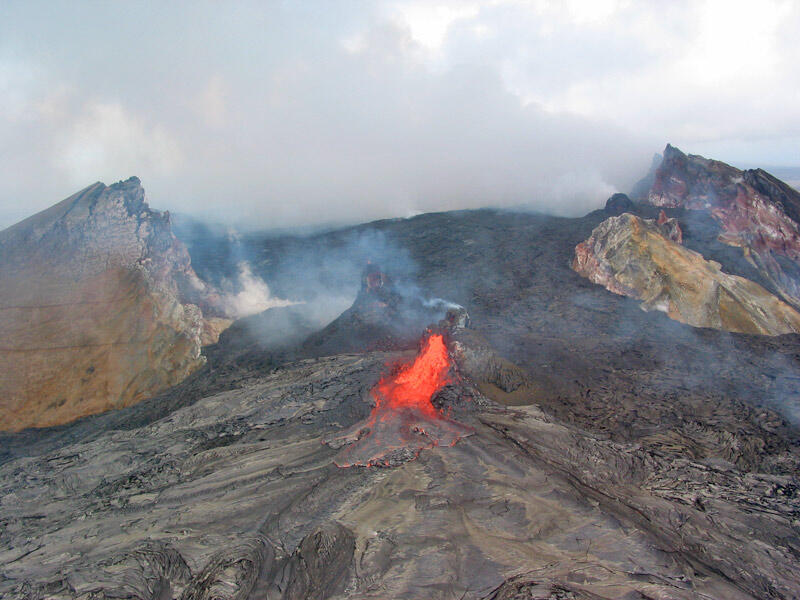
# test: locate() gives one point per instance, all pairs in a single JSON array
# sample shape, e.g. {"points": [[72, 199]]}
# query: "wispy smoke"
{"points": [[249, 294], [441, 303], [303, 282]]}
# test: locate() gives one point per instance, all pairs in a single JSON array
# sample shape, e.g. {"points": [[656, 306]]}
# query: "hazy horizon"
{"points": [[285, 115]]}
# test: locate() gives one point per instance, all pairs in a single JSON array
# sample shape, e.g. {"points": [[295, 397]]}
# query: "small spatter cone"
{"points": [[403, 421]]}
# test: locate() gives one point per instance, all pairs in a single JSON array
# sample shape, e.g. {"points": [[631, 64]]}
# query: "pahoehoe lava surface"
{"points": [[236, 494], [652, 459]]}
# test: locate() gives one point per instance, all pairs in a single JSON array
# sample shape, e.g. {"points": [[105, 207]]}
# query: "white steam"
{"points": [[249, 294], [441, 303]]}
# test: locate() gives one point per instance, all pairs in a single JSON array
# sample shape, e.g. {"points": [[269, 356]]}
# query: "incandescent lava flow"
{"points": [[404, 421]]}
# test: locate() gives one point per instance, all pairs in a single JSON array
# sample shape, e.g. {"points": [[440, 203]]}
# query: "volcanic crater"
{"points": [[540, 436]]}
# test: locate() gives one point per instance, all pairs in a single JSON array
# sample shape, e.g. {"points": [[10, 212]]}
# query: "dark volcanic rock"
{"points": [[320, 566], [235, 497], [618, 204], [658, 461], [496, 377], [524, 588], [776, 190], [382, 317]]}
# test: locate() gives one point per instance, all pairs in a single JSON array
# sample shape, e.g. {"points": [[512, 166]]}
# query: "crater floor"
{"points": [[236, 496]]}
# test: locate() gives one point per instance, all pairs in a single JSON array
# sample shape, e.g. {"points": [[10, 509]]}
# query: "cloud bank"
{"points": [[282, 114]]}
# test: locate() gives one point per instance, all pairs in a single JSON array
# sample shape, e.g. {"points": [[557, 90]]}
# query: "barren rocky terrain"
{"points": [[236, 495], [615, 452]]}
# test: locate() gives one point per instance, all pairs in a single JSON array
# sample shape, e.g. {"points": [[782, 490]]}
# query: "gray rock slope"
{"points": [[651, 459], [235, 496]]}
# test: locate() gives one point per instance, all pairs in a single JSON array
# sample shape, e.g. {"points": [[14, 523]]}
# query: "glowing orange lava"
{"points": [[415, 384], [404, 421]]}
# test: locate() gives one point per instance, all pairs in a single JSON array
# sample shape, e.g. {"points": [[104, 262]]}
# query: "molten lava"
{"points": [[404, 421], [415, 384]]}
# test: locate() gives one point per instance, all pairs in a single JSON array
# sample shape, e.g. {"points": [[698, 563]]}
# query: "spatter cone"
{"points": [[403, 421]]}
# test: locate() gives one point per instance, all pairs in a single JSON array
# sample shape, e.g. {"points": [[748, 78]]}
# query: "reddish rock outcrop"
{"points": [[99, 308], [643, 259], [755, 211]]}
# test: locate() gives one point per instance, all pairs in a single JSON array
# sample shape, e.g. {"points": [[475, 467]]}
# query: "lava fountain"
{"points": [[404, 421]]}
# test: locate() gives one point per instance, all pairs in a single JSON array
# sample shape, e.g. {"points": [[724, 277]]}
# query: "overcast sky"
{"points": [[283, 113]]}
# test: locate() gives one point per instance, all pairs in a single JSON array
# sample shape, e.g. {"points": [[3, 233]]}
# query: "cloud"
{"points": [[104, 139], [17, 80], [689, 72], [429, 22], [211, 104], [301, 113]]}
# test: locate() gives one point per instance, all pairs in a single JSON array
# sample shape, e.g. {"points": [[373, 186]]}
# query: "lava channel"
{"points": [[404, 421]]}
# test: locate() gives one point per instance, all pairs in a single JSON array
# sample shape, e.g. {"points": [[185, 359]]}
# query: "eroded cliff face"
{"points": [[755, 211], [99, 308], [643, 259]]}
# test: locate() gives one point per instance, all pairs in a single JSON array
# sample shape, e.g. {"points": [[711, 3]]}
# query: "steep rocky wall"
{"points": [[641, 258], [99, 308], [755, 211]]}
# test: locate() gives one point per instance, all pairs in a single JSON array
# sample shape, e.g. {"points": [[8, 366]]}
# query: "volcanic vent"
{"points": [[386, 315], [404, 421]]}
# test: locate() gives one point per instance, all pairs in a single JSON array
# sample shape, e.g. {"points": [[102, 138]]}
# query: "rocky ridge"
{"points": [[755, 211], [750, 210], [99, 308], [643, 259]]}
